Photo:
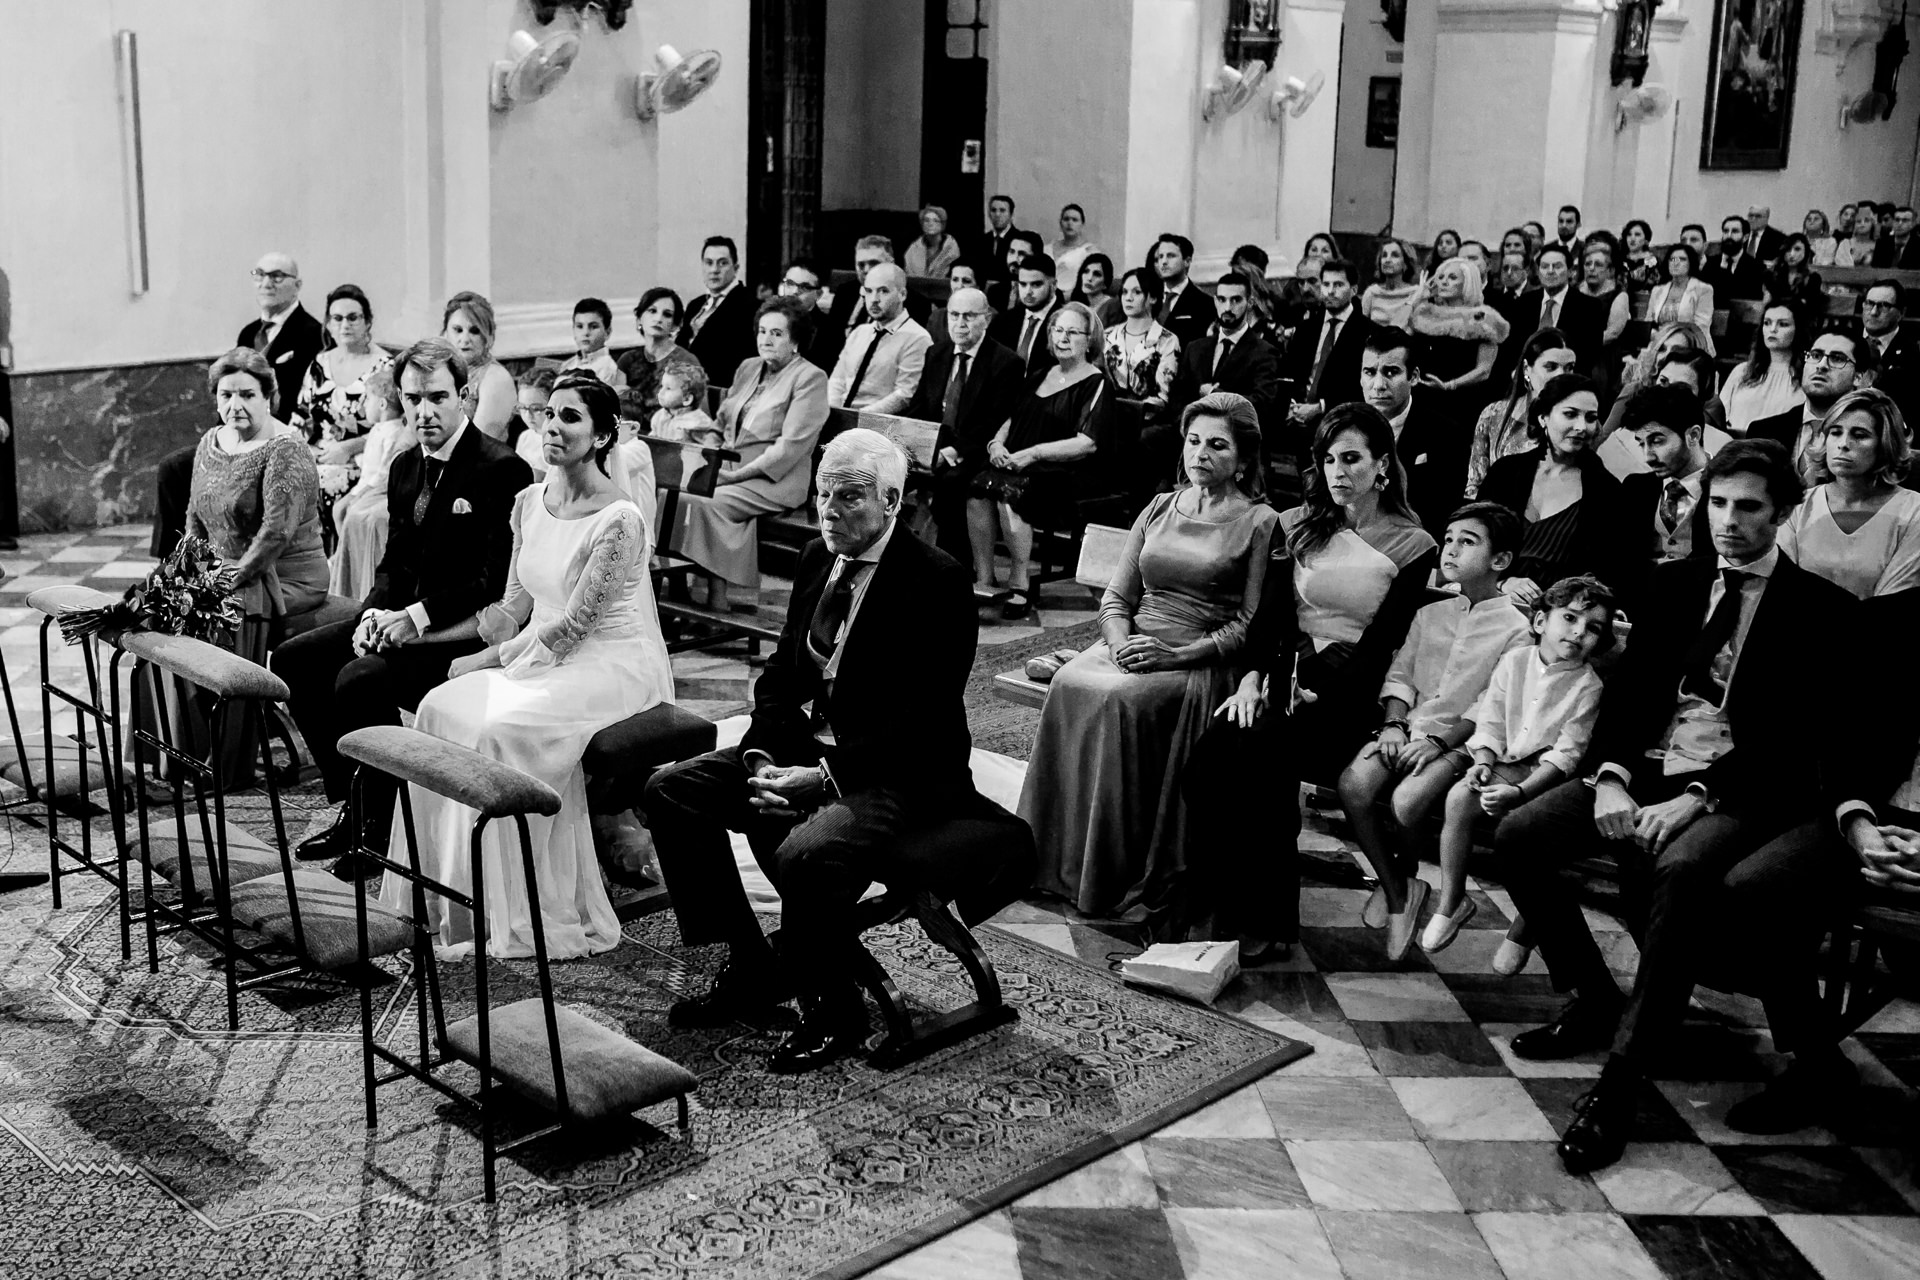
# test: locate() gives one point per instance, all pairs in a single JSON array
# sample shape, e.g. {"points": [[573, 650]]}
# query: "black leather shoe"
{"points": [[825, 1033], [329, 844], [737, 995], [1804, 1095], [12, 880], [1584, 1026], [1601, 1123], [355, 866]]}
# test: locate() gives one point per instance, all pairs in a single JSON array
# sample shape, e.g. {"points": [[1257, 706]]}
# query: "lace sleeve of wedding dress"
{"points": [[615, 552], [501, 621]]}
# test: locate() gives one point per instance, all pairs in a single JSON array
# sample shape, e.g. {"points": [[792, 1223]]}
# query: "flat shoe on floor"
{"points": [[1511, 957], [1374, 914], [1442, 930], [1402, 925], [1044, 668]]}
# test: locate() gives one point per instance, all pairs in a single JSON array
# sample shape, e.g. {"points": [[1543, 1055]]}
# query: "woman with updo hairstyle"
{"points": [[1390, 299], [1639, 264], [1576, 519], [467, 324], [772, 417], [1351, 564], [658, 316], [1502, 429], [1858, 525], [1102, 792], [573, 646], [934, 251]]}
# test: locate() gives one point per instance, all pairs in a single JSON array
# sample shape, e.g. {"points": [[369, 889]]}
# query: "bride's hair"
{"points": [[603, 409]]}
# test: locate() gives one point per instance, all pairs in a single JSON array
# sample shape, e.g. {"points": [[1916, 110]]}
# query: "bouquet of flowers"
{"points": [[190, 594]]}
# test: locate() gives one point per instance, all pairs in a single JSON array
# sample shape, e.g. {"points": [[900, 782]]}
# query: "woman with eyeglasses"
{"points": [[332, 409], [1041, 458], [658, 317]]}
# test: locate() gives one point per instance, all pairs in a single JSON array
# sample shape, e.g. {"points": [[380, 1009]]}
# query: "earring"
{"points": [[1380, 482]]}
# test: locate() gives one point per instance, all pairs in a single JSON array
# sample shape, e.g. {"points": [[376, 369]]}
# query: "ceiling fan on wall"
{"points": [[532, 68], [1295, 96], [675, 81]]}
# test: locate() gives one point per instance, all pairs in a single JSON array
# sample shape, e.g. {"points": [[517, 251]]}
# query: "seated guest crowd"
{"points": [[1539, 595]]}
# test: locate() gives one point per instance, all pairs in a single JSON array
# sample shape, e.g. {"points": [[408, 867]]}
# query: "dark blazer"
{"points": [[986, 399], [1791, 760], [1747, 279], [1899, 374], [1773, 243], [1251, 369], [1784, 427], [1601, 542], [1583, 319], [1640, 495], [895, 707], [1889, 254], [726, 338], [290, 353], [1340, 381], [1005, 330], [989, 252], [1433, 449], [455, 563], [1190, 316], [1522, 313]]}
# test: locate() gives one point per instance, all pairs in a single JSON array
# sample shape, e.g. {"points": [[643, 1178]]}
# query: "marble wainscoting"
{"points": [[87, 440]]}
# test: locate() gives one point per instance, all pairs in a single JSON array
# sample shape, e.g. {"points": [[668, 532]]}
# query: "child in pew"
{"points": [[1440, 672], [683, 406], [1531, 728], [592, 324]]}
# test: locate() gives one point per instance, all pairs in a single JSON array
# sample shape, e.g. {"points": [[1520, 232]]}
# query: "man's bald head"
{"points": [[276, 282], [884, 291]]}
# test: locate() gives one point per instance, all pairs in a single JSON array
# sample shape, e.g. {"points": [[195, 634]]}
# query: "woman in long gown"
{"points": [[1103, 793], [575, 647]]}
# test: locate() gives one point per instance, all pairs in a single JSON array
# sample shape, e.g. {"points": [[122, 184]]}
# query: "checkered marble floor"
{"points": [[1411, 1143]]}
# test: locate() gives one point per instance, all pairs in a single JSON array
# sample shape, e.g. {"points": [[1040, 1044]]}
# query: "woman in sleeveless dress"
{"points": [[575, 647]]}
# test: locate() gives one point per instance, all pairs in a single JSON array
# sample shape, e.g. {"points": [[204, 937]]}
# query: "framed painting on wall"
{"points": [[1750, 72]]}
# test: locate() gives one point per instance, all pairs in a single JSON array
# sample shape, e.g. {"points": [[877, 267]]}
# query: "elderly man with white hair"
{"points": [[879, 368], [859, 738]]}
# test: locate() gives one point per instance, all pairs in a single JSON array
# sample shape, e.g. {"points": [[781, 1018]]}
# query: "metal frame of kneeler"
{"points": [[104, 750], [494, 791]]}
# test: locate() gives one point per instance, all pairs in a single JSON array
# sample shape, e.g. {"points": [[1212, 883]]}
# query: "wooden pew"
{"points": [[1101, 547], [679, 467]]}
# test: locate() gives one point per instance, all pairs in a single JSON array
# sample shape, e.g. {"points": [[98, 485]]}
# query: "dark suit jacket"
{"points": [[1583, 319], [1433, 448], [1250, 369], [1191, 315], [989, 252], [1522, 313], [454, 563], [1899, 375], [1889, 254], [1340, 381], [290, 353], [895, 707], [986, 398], [726, 338], [1640, 495], [1747, 279], [1005, 330], [1784, 427], [1602, 543], [1773, 242], [1791, 759]]}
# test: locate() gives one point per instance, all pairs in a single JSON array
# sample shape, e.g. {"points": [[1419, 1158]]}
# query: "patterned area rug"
{"points": [[137, 1136], [1008, 727]]}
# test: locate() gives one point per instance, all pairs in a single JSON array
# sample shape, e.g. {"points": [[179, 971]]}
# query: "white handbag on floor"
{"points": [[1196, 970]]}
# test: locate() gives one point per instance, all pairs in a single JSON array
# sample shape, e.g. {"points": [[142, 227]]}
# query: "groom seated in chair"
{"points": [[449, 511], [859, 737]]}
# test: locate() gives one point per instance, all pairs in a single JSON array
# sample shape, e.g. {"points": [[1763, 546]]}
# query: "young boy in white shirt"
{"points": [[1437, 676], [592, 322], [1530, 730]]}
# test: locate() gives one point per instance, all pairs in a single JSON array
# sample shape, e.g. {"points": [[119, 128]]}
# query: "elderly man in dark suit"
{"points": [[719, 327], [449, 541], [1706, 748], [968, 386], [289, 337], [859, 737]]}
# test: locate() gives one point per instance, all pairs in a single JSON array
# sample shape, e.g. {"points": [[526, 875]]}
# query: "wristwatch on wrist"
{"points": [[1401, 725], [1707, 801]]}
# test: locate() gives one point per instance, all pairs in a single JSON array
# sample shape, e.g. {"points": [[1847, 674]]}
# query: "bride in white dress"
{"points": [[574, 647]]}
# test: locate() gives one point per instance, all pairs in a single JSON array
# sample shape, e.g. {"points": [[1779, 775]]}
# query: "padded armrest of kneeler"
{"points": [[459, 773]]}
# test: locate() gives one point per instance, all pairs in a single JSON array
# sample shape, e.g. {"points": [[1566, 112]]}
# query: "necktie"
{"points": [[860, 374], [1327, 339], [707, 307], [1670, 505], [425, 500], [263, 337], [1699, 679], [1549, 311], [1029, 327], [950, 407], [1220, 351], [836, 602]]}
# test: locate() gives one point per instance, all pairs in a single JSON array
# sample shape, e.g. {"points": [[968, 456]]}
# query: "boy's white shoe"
{"points": [[1402, 925], [1443, 929], [1511, 957]]}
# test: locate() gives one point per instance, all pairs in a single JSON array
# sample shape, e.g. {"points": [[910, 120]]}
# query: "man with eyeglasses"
{"points": [[968, 386], [289, 337], [803, 282], [1881, 314], [1835, 364]]}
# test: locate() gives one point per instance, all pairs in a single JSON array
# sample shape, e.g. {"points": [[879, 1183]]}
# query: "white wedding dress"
{"points": [[590, 655]]}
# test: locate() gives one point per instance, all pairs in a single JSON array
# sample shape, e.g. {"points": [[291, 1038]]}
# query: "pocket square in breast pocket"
{"points": [[283, 357], [462, 507], [1420, 461]]}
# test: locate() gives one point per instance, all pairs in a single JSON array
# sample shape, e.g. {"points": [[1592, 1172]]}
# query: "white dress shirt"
{"points": [[1532, 707], [891, 377], [1448, 659], [444, 454], [841, 565]]}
